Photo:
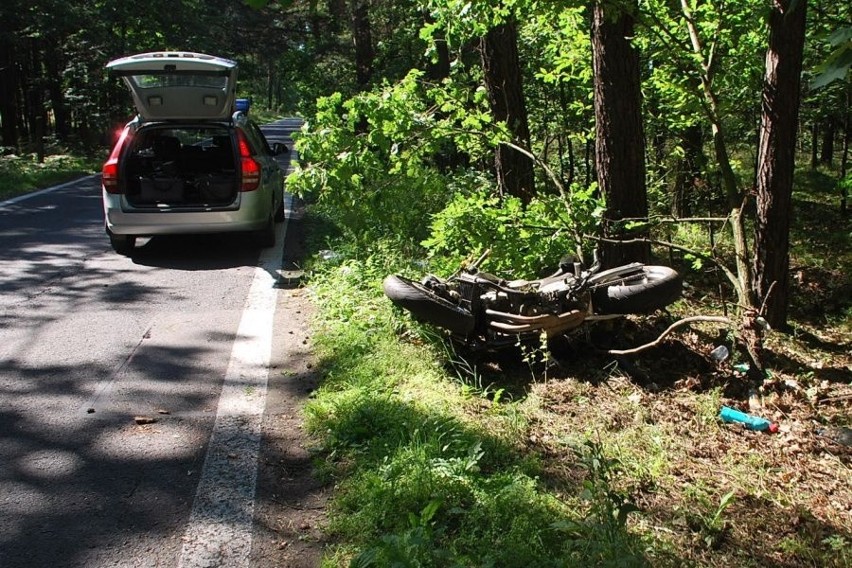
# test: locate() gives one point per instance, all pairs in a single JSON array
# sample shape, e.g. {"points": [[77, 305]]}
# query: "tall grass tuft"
{"points": [[421, 478]]}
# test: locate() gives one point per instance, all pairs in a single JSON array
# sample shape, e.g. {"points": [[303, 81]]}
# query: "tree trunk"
{"points": [[619, 138], [270, 83], [814, 145], [567, 177], [844, 157], [438, 69], [776, 155], [362, 37], [56, 93], [828, 131], [733, 193], [689, 170], [8, 92], [589, 162], [34, 99], [499, 55]]}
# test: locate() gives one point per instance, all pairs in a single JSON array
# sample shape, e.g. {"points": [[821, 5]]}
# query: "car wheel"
{"points": [[265, 237], [280, 212], [122, 244]]}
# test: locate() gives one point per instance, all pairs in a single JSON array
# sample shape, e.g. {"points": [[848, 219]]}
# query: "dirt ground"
{"points": [[290, 504], [792, 496]]}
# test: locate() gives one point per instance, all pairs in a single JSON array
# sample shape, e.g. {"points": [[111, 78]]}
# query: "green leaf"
{"points": [[429, 511], [835, 67]]}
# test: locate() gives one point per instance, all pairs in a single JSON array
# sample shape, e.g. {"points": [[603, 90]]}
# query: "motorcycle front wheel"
{"points": [[653, 288], [426, 306]]}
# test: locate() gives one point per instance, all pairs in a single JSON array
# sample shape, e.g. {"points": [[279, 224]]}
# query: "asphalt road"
{"points": [[111, 379]]}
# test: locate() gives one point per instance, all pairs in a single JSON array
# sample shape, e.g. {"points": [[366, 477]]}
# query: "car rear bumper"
{"points": [[248, 215]]}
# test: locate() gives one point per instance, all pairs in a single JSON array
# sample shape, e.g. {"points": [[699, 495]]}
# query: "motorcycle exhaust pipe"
{"points": [[550, 323]]}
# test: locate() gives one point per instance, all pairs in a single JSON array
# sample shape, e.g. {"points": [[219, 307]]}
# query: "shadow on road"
{"points": [[197, 252]]}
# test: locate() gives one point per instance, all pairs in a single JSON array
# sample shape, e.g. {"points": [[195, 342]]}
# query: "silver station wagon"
{"points": [[191, 161]]}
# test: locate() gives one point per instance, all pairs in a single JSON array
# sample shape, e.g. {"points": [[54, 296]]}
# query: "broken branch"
{"points": [[669, 330]]}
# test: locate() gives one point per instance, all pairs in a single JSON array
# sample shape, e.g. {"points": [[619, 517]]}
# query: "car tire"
{"points": [[280, 212], [265, 237], [122, 244]]}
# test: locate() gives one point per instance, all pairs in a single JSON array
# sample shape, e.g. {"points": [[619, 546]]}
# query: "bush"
{"points": [[524, 242], [370, 162]]}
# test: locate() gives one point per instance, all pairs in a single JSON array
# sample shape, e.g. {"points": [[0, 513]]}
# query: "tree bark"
{"points": [[438, 69], [8, 92], [814, 145], [829, 129], [689, 169], [619, 137], [501, 67], [362, 37], [567, 177], [56, 93], [776, 156], [844, 157]]}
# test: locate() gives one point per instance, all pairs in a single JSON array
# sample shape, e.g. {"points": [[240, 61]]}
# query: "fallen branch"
{"points": [[836, 398], [667, 332]]}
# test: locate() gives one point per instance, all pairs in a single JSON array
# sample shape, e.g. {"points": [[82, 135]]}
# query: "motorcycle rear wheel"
{"points": [[426, 306], [654, 288]]}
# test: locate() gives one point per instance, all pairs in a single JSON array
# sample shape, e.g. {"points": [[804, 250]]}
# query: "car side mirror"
{"points": [[279, 148]]}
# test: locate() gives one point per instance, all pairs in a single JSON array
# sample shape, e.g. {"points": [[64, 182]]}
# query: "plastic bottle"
{"points": [[751, 422]]}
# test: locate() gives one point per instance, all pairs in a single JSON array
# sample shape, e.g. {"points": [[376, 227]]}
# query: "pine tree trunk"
{"points": [[362, 37], [844, 157], [57, 94], [776, 154], [829, 129], [689, 171], [619, 138], [499, 55], [8, 92]]}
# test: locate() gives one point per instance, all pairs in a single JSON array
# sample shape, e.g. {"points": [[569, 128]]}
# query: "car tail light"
{"points": [[109, 172], [250, 169]]}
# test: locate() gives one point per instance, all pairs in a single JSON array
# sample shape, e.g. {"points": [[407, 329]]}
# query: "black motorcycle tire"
{"points": [[654, 289], [426, 306]]}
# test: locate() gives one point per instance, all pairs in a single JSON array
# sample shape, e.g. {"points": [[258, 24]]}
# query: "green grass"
{"points": [[23, 174], [439, 458], [430, 470]]}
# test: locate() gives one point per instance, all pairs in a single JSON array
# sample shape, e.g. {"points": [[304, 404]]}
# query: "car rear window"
{"points": [[158, 81], [188, 135]]}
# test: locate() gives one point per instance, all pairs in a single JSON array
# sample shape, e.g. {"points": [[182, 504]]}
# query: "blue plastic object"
{"points": [[243, 105], [750, 421]]}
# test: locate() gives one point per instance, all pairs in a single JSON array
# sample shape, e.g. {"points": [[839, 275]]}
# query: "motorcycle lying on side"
{"points": [[482, 310]]}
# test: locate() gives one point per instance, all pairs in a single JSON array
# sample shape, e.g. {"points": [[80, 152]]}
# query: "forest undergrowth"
{"points": [[563, 455], [22, 173]]}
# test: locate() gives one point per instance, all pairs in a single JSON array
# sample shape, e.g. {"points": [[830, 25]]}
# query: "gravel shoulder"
{"points": [[290, 502]]}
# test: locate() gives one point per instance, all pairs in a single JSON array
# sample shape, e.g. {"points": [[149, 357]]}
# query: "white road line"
{"points": [[220, 525], [26, 196]]}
